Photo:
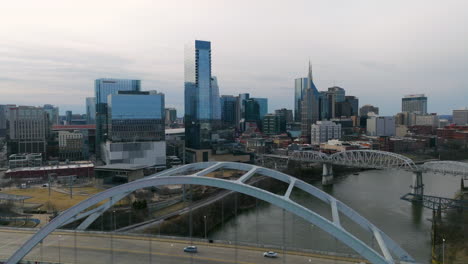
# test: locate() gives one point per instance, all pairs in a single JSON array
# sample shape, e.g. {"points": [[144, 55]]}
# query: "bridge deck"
{"points": [[96, 248]]}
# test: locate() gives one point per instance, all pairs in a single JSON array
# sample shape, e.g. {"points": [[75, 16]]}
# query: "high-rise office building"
{"points": [[198, 92], [216, 107], [336, 95], [102, 89], [460, 117], [29, 130], [135, 128], [53, 113], [274, 124], [381, 126], [322, 131], [90, 110], [252, 110], [228, 109], [68, 117], [300, 84], [354, 103], [240, 108], [324, 106], [263, 104], [415, 103], [170, 115], [3, 120], [366, 109], [287, 113], [310, 107]]}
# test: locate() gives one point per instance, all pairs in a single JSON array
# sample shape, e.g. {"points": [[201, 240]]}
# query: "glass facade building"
{"points": [[136, 117], [228, 109], [310, 106], [300, 85], [53, 113], [263, 104], [324, 106], [102, 89], [415, 103], [216, 106], [91, 110], [202, 108], [252, 110]]}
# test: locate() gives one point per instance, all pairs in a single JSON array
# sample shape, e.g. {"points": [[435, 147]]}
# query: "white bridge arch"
{"points": [[195, 174]]}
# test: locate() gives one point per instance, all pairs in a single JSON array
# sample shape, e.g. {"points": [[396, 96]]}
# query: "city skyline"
{"points": [[399, 48]]}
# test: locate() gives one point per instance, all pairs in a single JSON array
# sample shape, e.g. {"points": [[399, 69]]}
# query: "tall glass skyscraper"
{"points": [[300, 84], [228, 109], [310, 106], [216, 107], [201, 99], [102, 89], [90, 110], [263, 103]]}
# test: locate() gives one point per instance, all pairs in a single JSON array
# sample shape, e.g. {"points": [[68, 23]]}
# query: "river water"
{"points": [[375, 194]]}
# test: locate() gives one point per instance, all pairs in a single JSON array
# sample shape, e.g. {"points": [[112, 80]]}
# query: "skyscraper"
{"points": [[53, 113], [228, 109], [310, 110], [135, 128], [300, 84], [198, 95], [460, 117], [29, 130], [263, 104], [68, 117], [215, 107], [354, 102], [416, 103], [170, 115], [365, 109], [335, 95], [103, 88], [240, 108], [90, 110]]}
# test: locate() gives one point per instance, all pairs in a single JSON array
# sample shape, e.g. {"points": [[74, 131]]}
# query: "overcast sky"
{"points": [[51, 51]]}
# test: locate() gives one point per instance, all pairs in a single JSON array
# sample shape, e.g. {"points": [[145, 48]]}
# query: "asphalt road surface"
{"points": [[59, 247]]}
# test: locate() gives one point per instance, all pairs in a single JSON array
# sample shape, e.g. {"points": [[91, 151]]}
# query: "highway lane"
{"points": [[105, 248]]}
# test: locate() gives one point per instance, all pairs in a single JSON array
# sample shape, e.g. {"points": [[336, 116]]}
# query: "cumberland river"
{"points": [[375, 194]]}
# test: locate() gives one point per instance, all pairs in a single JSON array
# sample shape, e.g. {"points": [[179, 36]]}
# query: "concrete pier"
{"points": [[327, 174], [417, 188]]}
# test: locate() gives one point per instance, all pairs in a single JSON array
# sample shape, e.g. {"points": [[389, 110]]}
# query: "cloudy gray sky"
{"points": [[51, 51]]}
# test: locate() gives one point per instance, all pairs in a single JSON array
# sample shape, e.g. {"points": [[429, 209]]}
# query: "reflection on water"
{"points": [[375, 194]]}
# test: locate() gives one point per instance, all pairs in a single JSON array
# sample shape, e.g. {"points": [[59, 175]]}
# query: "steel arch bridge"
{"points": [[358, 158], [196, 174], [447, 167], [373, 159]]}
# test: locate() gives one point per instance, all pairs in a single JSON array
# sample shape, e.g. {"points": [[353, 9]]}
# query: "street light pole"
{"points": [[59, 237], [205, 226], [443, 250]]}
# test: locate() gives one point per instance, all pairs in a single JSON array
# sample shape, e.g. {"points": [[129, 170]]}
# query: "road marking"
{"points": [[175, 241], [155, 253]]}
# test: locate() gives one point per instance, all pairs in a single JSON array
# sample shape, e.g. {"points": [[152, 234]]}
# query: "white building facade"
{"points": [[322, 131], [381, 126]]}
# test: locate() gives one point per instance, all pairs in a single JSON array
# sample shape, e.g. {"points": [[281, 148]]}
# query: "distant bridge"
{"points": [[196, 174], [371, 159]]}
